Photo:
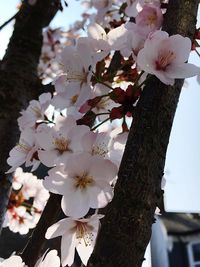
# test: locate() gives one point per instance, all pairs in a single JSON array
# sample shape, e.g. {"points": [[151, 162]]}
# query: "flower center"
{"points": [[77, 76], [62, 144], [74, 99], [83, 181], [84, 232], [36, 112], [16, 199], [100, 150], [22, 147], [164, 60], [151, 19]]}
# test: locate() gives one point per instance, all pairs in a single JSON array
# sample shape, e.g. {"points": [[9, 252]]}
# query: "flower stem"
{"points": [[95, 127], [197, 52]]}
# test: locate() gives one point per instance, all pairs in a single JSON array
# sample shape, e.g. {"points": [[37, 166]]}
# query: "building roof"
{"points": [[181, 223]]}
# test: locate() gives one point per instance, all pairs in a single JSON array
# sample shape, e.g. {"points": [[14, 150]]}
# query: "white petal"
{"points": [[102, 169], [184, 70], [68, 244], [75, 204], [59, 228], [95, 31]]}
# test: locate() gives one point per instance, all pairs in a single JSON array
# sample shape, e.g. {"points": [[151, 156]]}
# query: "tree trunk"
{"points": [[19, 82], [126, 228]]}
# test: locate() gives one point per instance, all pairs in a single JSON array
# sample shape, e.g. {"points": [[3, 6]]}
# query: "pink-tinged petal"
{"points": [[144, 62], [64, 124], [85, 94], [60, 102], [76, 204], [60, 228], [184, 70], [154, 41], [88, 140], [48, 157], [77, 164], [100, 196], [162, 76], [60, 83], [70, 59], [68, 244], [85, 56], [56, 184], [95, 31], [181, 46], [102, 169], [44, 98], [45, 139], [16, 157], [117, 37], [78, 132]]}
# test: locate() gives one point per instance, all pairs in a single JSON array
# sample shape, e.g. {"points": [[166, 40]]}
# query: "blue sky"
{"points": [[182, 172]]}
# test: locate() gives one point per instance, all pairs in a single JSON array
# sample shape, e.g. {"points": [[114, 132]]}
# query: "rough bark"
{"points": [[126, 228], [36, 242], [19, 82]]}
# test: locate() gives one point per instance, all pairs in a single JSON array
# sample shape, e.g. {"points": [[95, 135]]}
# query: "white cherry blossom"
{"points": [[77, 64], [165, 56], [24, 152], [19, 220], [76, 234], [84, 183], [36, 112], [57, 145], [150, 18]]}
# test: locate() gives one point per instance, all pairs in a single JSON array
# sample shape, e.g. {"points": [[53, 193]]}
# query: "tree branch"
{"points": [[126, 228], [19, 82], [8, 21], [36, 242]]}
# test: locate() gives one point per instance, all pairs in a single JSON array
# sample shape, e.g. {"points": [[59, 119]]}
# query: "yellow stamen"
{"points": [[83, 181]]}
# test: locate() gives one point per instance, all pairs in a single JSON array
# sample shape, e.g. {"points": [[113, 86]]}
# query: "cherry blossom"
{"points": [[57, 145], [84, 183], [134, 41], [150, 18], [77, 64], [22, 214], [24, 152], [49, 259], [19, 220], [76, 234], [102, 41], [96, 143], [165, 57], [36, 112]]}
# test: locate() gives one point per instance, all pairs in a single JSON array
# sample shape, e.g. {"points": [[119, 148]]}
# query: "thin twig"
{"points": [[8, 21]]}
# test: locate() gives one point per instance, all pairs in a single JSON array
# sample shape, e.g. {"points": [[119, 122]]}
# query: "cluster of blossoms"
{"points": [[49, 259], [26, 203], [66, 130]]}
